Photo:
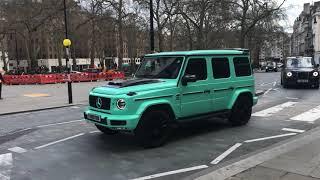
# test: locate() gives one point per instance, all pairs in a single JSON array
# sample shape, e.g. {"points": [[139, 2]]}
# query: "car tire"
{"points": [[106, 130], [241, 111], [154, 128], [316, 86]]}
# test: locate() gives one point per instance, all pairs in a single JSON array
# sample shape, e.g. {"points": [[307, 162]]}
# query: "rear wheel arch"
{"points": [[246, 94]]}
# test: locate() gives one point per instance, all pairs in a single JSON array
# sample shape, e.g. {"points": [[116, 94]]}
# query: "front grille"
{"points": [[303, 75], [105, 102]]}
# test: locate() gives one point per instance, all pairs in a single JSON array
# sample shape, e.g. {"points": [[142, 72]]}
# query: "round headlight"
{"points": [[121, 104], [289, 74], [315, 74]]}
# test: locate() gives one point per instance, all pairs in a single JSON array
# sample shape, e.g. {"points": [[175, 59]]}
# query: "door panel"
{"points": [[221, 85], [195, 97]]}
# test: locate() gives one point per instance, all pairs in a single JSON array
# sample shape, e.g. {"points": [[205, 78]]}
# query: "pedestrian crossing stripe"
{"points": [[308, 116], [275, 109]]}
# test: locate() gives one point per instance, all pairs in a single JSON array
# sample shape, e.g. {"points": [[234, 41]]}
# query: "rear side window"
{"points": [[242, 66], [220, 68], [197, 67]]}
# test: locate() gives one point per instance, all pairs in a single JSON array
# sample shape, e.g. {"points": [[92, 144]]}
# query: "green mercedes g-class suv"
{"points": [[173, 87]]}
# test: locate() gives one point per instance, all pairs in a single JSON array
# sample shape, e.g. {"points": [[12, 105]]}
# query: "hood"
{"points": [[300, 69], [133, 85]]}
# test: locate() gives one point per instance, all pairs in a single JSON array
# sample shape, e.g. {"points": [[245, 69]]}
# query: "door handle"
{"points": [[231, 88], [206, 91]]}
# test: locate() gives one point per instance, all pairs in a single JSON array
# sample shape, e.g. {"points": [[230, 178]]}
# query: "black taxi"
{"points": [[300, 71]]}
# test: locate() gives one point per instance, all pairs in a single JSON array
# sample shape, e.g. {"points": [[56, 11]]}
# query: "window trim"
{"points": [[228, 60]]}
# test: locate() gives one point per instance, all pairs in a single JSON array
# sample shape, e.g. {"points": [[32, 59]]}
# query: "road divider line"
{"points": [[54, 124], [91, 132], [61, 140], [275, 83], [267, 91], [226, 153], [309, 116], [270, 137], [272, 110], [292, 98], [172, 172], [293, 130], [17, 150]]}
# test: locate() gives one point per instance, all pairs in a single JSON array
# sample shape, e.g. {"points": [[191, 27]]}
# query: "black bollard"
{"points": [[0, 89]]}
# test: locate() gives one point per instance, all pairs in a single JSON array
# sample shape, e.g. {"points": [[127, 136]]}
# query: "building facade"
{"points": [[305, 40]]}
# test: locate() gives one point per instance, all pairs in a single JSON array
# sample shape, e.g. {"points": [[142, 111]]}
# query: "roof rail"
{"points": [[245, 51], [237, 49]]}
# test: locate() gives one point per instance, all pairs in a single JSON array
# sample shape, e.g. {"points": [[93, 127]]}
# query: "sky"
{"points": [[293, 9]]}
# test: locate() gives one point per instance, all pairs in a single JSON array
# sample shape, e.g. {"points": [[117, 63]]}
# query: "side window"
{"points": [[242, 66], [197, 67], [220, 68]]}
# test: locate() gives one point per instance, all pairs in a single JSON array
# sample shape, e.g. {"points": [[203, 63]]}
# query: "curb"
{"points": [[243, 163], [41, 109]]}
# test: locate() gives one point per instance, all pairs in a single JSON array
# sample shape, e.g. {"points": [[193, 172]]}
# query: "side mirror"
{"points": [[188, 78]]}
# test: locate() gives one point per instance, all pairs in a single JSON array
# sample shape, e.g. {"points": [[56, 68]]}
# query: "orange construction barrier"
{"points": [[48, 78]]}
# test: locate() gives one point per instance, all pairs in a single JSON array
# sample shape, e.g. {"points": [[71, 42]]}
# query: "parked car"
{"points": [[174, 87], [271, 66], [300, 71]]}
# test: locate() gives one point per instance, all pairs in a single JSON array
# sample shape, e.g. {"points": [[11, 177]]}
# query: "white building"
{"points": [[316, 34], [273, 50]]}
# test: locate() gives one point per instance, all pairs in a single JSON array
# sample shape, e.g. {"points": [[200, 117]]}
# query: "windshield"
{"points": [[271, 64], [160, 67], [299, 63]]}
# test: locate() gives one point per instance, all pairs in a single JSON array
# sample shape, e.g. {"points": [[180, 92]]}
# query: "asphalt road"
{"points": [[58, 144]]}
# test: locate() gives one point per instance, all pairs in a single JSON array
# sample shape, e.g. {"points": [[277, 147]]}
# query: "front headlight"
{"points": [[121, 104], [289, 74], [315, 74]]}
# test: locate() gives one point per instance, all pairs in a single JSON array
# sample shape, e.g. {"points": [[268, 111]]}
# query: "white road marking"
{"points": [[61, 140], [267, 91], [275, 83], [293, 130], [172, 172], [74, 107], [270, 137], [270, 111], [292, 98], [226, 153], [17, 150], [309, 116], [94, 132], [5, 166], [54, 124]]}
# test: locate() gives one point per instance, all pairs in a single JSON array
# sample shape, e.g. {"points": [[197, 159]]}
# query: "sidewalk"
{"points": [[300, 164], [18, 98], [297, 158]]}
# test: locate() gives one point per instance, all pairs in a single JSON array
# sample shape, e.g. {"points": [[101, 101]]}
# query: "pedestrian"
{"points": [[1, 81]]}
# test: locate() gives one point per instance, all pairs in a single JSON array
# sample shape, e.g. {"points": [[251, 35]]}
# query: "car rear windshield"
{"points": [[160, 67], [299, 63]]}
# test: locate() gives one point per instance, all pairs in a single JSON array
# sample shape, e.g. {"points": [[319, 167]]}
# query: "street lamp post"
{"points": [[67, 44], [151, 28]]}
